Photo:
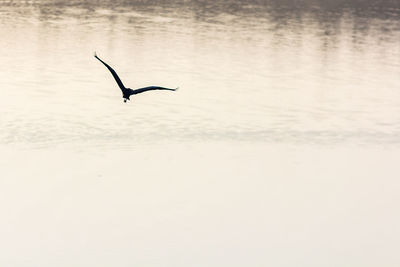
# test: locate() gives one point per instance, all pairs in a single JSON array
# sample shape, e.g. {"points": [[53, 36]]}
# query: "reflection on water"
{"points": [[286, 71], [281, 147]]}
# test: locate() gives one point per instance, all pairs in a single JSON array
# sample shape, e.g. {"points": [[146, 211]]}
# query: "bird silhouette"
{"points": [[127, 92]]}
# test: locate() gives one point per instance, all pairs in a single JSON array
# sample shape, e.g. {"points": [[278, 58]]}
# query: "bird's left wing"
{"points": [[114, 74], [149, 88]]}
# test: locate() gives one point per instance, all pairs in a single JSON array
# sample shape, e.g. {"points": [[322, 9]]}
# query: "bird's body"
{"points": [[127, 92]]}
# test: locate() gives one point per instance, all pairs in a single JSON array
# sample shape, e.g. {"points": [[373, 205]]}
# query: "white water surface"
{"points": [[280, 148]]}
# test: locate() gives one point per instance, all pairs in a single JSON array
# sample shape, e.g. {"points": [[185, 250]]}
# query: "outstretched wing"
{"points": [[149, 88], [114, 74]]}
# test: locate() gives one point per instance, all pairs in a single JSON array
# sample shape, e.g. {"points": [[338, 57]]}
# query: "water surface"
{"points": [[279, 149]]}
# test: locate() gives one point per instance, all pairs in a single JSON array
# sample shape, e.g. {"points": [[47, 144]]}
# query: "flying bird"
{"points": [[127, 92]]}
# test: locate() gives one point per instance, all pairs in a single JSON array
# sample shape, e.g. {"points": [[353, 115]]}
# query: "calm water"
{"points": [[280, 148]]}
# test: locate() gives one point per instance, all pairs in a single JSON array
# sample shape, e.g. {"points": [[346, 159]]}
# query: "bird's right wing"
{"points": [[149, 88], [114, 74]]}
